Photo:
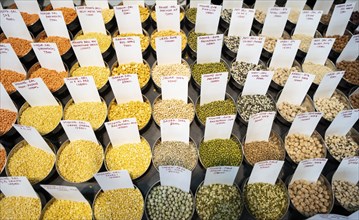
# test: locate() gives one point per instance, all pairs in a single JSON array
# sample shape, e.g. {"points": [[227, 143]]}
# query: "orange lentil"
{"points": [[20, 46], [54, 80], [7, 119], [7, 77], [63, 44], [29, 19], [69, 14], [2, 158]]}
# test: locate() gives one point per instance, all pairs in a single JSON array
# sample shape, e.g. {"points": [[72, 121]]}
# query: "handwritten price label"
{"points": [[79, 130], [123, 131], [17, 186], [266, 172], [309, 170], [175, 130], [175, 176], [219, 127], [119, 179]]}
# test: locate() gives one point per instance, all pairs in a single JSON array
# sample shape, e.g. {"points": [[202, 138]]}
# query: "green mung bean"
{"points": [[206, 68], [191, 14], [216, 108], [192, 39]]}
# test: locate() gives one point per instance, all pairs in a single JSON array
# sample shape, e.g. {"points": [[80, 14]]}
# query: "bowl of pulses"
{"points": [[109, 19], [270, 43], [144, 40], [344, 146], [225, 18], [3, 158], [190, 17], [192, 42], [354, 99], [133, 157], [318, 70], [19, 207], [66, 209], [339, 44], [7, 118], [351, 76], [281, 75], [346, 194], [7, 77], [167, 33], [154, 16], [231, 44], [305, 41], [70, 17], [144, 15]]}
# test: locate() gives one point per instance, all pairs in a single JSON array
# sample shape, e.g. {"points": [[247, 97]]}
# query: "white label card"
{"points": [[257, 82], [207, 19], [353, 216], [329, 217], [54, 24], [126, 88], [241, 22], [49, 56], [284, 53], [11, 18], [263, 5], [175, 176], [356, 7], [174, 87], [35, 92], [169, 50], [175, 130], [259, 127], [65, 193], [103, 4], [213, 87], [348, 170], [28, 6], [124, 131], [350, 52], [308, 22], [82, 89], [343, 122], [250, 49], [220, 175], [232, 4], [309, 170], [340, 18], [83, 48], [275, 22], [295, 4], [168, 17], [9, 59], [323, 5], [266, 172], [296, 88], [219, 127], [166, 2], [1, 6], [128, 49], [17, 186], [134, 2], [5, 100], [128, 19], [328, 85], [79, 130], [194, 3], [118, 179], [212, 43], [33, 137], [305, 123], [91, 19], [62, 4], [319, 50]]}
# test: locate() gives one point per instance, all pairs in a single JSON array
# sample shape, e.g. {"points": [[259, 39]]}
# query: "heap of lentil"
{"points": [[192, 39], [100, 74], [54, 80], [218, 201], [67, 209], [351, 70], [170, 70], [341, 147], [318, 70], [215, 108], [144, 39], [2, 158], [144, 13], [29, 19], [154, 16], [289, 111], [175, 153], [169, 109], [119, 204], [206, 68], [107, 15], [232, 42], [134, 157], [7, 118], [248, 105], [239, 70], [7, 77], [281, 75], [168, 33], [141, 69], [68, 13], [79, 160], [347, 194], [104, 41], [220, 152], [62, 43], [19, 207], [266, 201], [191, 15], [20, 46]]}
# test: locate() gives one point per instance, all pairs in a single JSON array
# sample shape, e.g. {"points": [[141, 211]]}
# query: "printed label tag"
{"points": [[54, 24], [91, 19], [340, 18], [343, 122], [213, 87], [275, 21], [328, 85], [220, 175], [128, 19], [9, 59], [83, 48], [257, 82], [207, 19], [175, 176], [241, 22], [79, 130], [17, 186], [82, 89], [266, 172], [305, 123], [174, 87], [259, 126], [124, 131], [11, 18], [219, 127], [308, 22], [48, 56], [65, 193], [118, 179], [175, 130], [284, 53], [126, 88], [211, 43], [309, 170], [128, 49], [250, 49]]}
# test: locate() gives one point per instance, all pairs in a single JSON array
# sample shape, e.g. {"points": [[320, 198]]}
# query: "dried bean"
{"points": [[347, 194], [260, 16], [305, 41], [354, 100], [340, 42], [54, 80], [67, 209], [239, 70], [351, 71], [7, 77], [232, 42], [216, 108], [341, 147], [19, 207], [281, 75], [226, 15], [248, 105], [330, 107], [170, 70], [289, 111], [20, 46]]}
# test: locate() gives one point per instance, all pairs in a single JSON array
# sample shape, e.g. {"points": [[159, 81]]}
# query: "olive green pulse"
{"points": [[206, 68], [216, 108]]}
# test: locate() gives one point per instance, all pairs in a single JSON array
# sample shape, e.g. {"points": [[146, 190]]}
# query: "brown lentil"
{"points": [[170, 109], [54, 80], [100, 74], [68, 13], [67, 210], [2, 158], [7, 77], [7, 118], [29, 19], [104, 41], [341, 147], [168, 33], [281, 75], [340, 42], [62, 43], [170, 70], [144, 39], [141, 69], [289, 111], [107, 15], [351, 71], [20, 46], [19, 207], [354, 100], [347, 194], [318, 70]]}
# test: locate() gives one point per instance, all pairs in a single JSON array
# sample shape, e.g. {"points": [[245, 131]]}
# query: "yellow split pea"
{"points": [[141, 69], [19, 207], [67, 210]]}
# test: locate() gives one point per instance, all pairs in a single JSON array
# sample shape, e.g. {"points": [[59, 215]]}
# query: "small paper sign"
{"points": [[356, 7], [319, 50], [208, 43], [284, 53], [128, 19], [174, 87], [83, 48], [5, 100], [257, 82], [328, 85], [250, 49], [340, 19], [134, 2], [343, 122], [323, 5], [305, 123], [350, 52], [219, 127], [91, 19], [33, 137], [175, 130], [79, 130], [35, 92], [213, 87], [354, 216], [65, 193], [128, 49], [103, 4], [166, 2], [126, 88], [232, 4], [309, 170], [28, 6], [11, 18], [296, 88], [17, 186], [118, 179], [54, 24], [266, 172], [168, 17], [48, 56], [168, 50], [207, 19], [62, 4], [1, 6], [259, 127], [241, 22], [9, 59], [348, 170], [194, 3], [124, 131], [308, 22], [220, 175], [263, 5], [295, 4], [82, 89], [275, 22], [330, 217], [175, 176]]}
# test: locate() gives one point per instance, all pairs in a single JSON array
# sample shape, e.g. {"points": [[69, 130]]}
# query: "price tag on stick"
{"points": [[65, 193], [305, 123], [266, 172], [343, 122], [28, 6], [328, 85], [118, 179], [62, 4], [79, 130], [11, 18], [275, 22], [257, 82], [54, 24], [168, 50], [308, 22], [174, 87], [319, 50], [175, 130], [213, 87], [309, 170], [241, 22], [348, 170], [219, 127], [82, 89], [5, 100], [126, 88], [17, 186], [128, 49], [259, 126], [91, 19], [9, 59], [284, 53], [175, 176], [220, 175], [250, 49], [49, 56], [128, 19], [350, 52], [124, 131], [168, 17], [340, 18], [211, 43], [83, 48], [207, 19]]}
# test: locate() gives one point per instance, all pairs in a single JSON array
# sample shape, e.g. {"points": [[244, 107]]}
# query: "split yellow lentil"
{"points": [[43, 118], [31, 162], [119, 204], [79, 160], [100, 74], [107, 15], [144, 13], [104, 41], [168, 33], [135, 158], [141, 69], [19, 207], [67, 210], [144, 39]]}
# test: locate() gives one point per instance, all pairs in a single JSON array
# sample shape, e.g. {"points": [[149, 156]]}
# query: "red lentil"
{"points": [[63, 44], [7, 77], [54, 80], [2, 158], [69, 14], [20, 46], [7, 119], [29, 19]]}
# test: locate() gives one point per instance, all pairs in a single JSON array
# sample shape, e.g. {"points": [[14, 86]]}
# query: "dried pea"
{"points": [[168, 33], [141, 69], [347, 194], [67, 210], [19, 207], [100, 74], [341, 147], [104, 41], [215, 108], [206, 68]]}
